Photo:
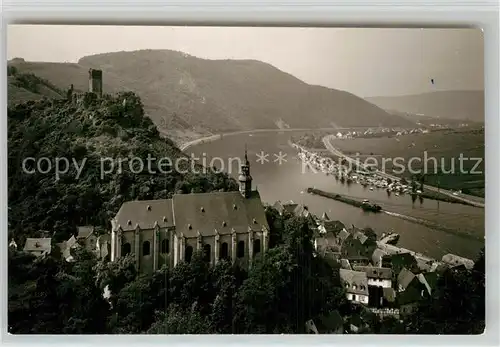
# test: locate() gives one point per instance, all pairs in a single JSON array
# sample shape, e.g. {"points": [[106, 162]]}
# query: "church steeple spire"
{"points": [[247, 163], [245, 178]]}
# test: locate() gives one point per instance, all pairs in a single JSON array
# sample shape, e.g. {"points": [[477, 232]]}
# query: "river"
{"points": [[432, 228]]}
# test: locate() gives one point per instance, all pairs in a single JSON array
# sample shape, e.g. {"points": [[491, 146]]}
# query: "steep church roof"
{"points": [[221, 211], [199, 214], [145, 213]]}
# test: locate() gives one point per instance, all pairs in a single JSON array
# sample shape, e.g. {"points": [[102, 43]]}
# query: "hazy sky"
{"points": [[366, 62]]}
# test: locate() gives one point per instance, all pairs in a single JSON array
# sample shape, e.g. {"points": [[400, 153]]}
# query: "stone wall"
{"points": [[386, 312]]}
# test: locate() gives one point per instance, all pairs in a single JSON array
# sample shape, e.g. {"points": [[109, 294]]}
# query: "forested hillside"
{"points": [[86, 132]]}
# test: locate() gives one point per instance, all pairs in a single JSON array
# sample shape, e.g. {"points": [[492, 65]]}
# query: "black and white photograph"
{"points": [[245, 180]]}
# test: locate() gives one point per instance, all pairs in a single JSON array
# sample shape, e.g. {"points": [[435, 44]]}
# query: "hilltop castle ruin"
{"points": [[95, 82]]}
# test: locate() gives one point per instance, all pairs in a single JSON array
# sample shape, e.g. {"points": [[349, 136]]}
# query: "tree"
{"points": [[115, 275], [389, 325], [190, 284], [263, 302], [47, 295], [457, 306], [275, 222], [80, 298], [134, 308], [178, 320], [288, 286], [226, 279]]}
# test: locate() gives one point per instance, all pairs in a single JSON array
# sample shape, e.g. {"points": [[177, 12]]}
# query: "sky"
{"points": [[364, 61]]}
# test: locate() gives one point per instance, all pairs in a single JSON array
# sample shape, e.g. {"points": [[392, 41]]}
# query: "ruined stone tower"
{"points": [[95, 82]]}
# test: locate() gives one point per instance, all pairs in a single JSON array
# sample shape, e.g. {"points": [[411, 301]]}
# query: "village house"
{"points": [[358, 261], [327, 237], [65, 248], [388, 298], [326, 244], [39, 247], [406, 279], [356, 285], [357, 324], [453, 260], [298, 210], [399, 261], [358, 246], [333, 227], [13, 244], [429, 280], [412, 288], [86, 237], [103, 246], [377, 276], [332, 323], [425, 265], [377, 257], [344, 264], [283, 208], [303, 211], [378, 280], [342, 236], [222, 225], [408, 301]]}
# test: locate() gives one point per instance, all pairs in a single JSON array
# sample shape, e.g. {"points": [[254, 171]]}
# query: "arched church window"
{"points": [[241, 249], [126, 249], [256, 246], [224, 251], [188, 254], [206, 253], [165, 246], [146, 248]]}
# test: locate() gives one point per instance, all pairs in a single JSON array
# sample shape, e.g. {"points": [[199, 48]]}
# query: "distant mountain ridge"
{"points": [[180, 91], [453, 104]]}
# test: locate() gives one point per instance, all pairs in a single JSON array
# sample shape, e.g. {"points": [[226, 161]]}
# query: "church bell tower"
{"points": [[245, 178]]}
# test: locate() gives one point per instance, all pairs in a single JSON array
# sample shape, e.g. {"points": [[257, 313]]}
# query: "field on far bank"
{"points": [[445, 146]]}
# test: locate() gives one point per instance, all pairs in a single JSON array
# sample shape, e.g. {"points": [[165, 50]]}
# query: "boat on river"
{"points": [[365, 204]]}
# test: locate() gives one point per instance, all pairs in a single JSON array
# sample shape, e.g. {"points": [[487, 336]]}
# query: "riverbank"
{"points": [[184, 145], [427, 194], [199, 141], [367, 178], [382, 179]]}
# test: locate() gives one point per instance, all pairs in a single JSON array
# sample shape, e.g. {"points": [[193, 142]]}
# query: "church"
{"points": [[223, 225]]}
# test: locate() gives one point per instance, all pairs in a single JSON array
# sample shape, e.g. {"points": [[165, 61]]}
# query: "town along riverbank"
{"points": [[348, 171]]}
